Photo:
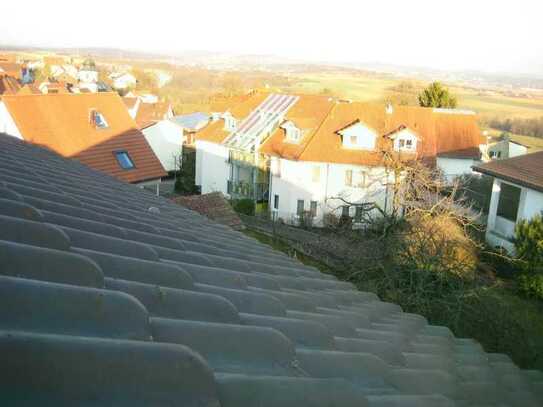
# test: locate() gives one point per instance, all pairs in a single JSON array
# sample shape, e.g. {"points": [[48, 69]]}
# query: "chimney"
{"points": [[389, 109]]}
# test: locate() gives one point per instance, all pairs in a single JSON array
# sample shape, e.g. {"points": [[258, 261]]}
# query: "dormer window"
{"points": [[230, 123], [358, 136], [404, 140], [292, 133], [98, 120]]}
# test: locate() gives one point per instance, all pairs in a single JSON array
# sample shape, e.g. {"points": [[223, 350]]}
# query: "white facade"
{"points": [[87, 76], [7, 124], [165, 139], [499, 231], [123, 81], [454, 167], [323, 185], [212, 167], [506, 149]]}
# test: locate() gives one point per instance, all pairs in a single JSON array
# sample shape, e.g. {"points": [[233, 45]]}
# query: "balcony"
{"points": [[244, 190], [247, 159]]}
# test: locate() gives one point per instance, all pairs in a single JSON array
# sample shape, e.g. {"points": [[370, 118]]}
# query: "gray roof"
{"points": [[192, 121], [111, 296]]}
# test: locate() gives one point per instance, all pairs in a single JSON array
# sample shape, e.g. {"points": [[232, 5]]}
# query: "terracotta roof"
{"points": [[439, 133], [214, 206], [62, 123], [130, 102], [239, 107], [525, 170], [29, 89], [11, 69], [8, 85], [149, 113]]}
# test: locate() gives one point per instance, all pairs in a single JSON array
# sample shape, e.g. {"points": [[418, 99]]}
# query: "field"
{"points": [[368, 87]]}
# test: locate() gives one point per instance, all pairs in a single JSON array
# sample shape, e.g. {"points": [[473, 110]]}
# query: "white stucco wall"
{"points": [[212, 168], [296, 182], [7, 125], [165, 139], [499, 230], [516, 150], [454, 167]]}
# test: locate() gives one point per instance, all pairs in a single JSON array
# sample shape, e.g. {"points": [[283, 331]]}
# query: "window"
{"points": [[508, 202], [124, 160], [316, 176], [358, 214], [98, 120], [300, 207], [354, 140], [349, 178], [345, 210], [276, 202], [313, 208], [406, 144], [362, 179]]}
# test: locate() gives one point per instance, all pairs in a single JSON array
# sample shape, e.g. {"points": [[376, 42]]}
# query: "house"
{"points": [[12, 69], [505, 147], [88, 73], [314, 154], [8, 85], [29, 89], [132, 104], [191, 124], [517, 193], [94, 128], [53, 87], [123, 80], [166, 139], [114, 297], [148, 113]]}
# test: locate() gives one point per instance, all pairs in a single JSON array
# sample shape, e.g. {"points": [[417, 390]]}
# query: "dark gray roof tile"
{"points": [[66, 371], [305, 338], [38, 306], [39, 263]]}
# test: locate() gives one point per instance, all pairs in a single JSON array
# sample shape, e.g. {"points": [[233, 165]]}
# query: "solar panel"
{"points": [[268, 114]]}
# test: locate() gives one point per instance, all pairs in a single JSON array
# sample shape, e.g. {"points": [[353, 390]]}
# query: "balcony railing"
{"points": [[247, 159], [246, 190]]}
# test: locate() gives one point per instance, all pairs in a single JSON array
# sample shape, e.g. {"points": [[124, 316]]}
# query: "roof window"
{"points": [[98, 120], [124, 160]]}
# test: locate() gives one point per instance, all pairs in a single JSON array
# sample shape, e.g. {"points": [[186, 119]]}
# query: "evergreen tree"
{"points": [[436, 95]]}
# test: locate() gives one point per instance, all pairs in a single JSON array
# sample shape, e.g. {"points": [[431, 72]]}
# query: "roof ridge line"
{"points": [[318, 129]]}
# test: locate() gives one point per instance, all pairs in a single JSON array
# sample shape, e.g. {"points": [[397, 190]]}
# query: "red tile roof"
{"points": [[11, 69], [8, 85], [149, 113], [440, 134], [525, 170], [62, 123], [446, 133]]}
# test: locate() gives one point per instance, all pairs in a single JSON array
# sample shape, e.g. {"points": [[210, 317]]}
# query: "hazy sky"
{"points": [[499, 35]]}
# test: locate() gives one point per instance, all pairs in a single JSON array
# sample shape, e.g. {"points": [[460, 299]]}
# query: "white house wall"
{"points": [[296, 182], [454, 167], [516, 149], [7, 124], [498, 229], [212, 167], [165, 139]]}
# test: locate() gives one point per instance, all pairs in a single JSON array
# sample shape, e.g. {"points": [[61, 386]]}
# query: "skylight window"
{"points": [[124, 160], [98, 120]]}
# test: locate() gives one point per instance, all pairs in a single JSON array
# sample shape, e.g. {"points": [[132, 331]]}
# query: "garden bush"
{"points": [[529, 244], [244, 206]]}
